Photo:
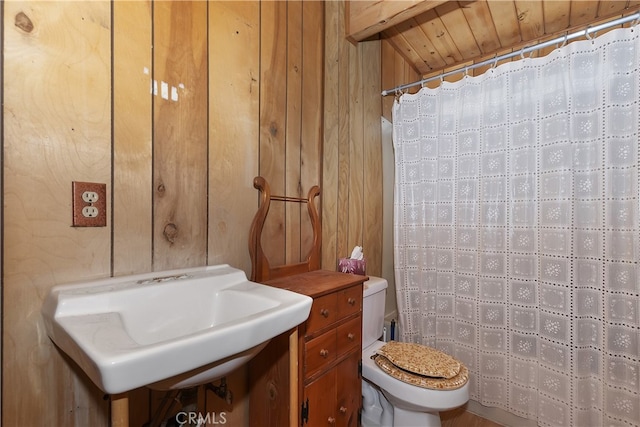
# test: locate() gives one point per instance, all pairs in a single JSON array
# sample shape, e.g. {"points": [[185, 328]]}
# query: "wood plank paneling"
{"points": [[508, 34], [180, 134], [132, 137], [387, 76], [480, 21], [57, 120], [400, 43], [459, 33], [273, 122], [355, 185], [367, 18], [292, 166], [422, 46], [343, 141], [583, 12], [372, 158], [530, 18], [311, 116], [435, 30], [234, 42], [331, 148], [557, 14], [351, 140], [352, 99]]}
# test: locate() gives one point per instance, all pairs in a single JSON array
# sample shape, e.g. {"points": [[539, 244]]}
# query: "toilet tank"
{"points": [[374, 297]]}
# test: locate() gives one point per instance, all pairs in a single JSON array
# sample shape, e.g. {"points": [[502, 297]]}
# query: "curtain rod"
{"points": [[494, 60]]}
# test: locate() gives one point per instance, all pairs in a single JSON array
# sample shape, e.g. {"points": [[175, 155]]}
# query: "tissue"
{"points": [[357, 253], [355, 264]]}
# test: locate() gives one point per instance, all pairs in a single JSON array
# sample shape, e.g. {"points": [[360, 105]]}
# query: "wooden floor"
{"points": [[461, 418]]}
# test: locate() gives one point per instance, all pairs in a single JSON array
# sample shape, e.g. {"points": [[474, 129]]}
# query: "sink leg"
{"points": [[293, 378], [120, 410]]}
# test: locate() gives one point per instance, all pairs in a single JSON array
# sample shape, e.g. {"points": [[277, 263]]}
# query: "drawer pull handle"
{"points": [[331, 420], [343, 410], [324, 312], [351, 336], [351, 301], [324, 353]]}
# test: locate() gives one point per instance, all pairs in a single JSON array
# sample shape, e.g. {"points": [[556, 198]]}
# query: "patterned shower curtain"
{"points": [[516, 230]]}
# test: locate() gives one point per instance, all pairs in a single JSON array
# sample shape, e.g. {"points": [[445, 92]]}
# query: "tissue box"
{"points": [[354, 266]]}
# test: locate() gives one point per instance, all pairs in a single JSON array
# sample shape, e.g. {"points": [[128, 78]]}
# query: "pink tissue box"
{"points": [[354, 266]]}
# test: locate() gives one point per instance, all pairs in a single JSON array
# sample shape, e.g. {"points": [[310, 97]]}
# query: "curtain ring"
{"points": [[566, 39], [564, 42], [522, 53], [466, 71], [586, 33]]}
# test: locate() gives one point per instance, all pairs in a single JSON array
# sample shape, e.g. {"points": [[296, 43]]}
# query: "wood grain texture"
{"points": [[334, 22], [293, 212], [355, 184], [342, 168], [387, 75], [372, 158], [367, 18], [350, 142], [558, 13], [311, 117], [508, 34], [56, 130], [234, 128], [435, 30], [459, 417], [454, 34], [273, 121], [531, 18], [132, 137], [180, 134]]}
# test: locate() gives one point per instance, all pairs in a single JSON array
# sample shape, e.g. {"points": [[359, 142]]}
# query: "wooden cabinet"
{"points": [[329, 347]]}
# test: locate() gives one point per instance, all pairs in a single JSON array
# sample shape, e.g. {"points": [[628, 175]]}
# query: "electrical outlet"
{"points": [[89, 200], [90, 212], [90, 196]]}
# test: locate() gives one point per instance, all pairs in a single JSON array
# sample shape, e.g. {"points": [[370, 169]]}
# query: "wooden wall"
{"points": [[176, 106]]}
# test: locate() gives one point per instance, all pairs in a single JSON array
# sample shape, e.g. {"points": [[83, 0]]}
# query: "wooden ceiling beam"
{"points": [[367, 18]]}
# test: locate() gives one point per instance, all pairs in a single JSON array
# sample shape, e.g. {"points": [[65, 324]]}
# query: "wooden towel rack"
{"points": [[261, 270]]}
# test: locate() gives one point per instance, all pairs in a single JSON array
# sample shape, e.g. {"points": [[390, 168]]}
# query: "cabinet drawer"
{"points": [[320, 351], [324, 311], [349, 335], [349, 301]]}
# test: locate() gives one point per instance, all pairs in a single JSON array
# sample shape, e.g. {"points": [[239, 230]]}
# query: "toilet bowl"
{"points": [[411, 405]]}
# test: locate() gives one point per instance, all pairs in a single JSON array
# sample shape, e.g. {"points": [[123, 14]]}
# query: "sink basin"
{"points": [[170, 329]]}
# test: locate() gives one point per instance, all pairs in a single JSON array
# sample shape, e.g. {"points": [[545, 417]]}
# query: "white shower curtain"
{"points": [[516, 230]]}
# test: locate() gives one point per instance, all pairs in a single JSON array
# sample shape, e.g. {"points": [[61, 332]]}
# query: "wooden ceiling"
{"points": [[436, 36]]}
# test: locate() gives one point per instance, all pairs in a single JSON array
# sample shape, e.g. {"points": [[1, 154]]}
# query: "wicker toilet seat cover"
{"points": [[421, 366]]}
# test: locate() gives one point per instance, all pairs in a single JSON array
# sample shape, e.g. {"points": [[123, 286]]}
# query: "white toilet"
{"points": [[399, 404]]}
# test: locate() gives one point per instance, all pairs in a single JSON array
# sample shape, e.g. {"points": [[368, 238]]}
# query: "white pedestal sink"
{"points": [[170, 329]]}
